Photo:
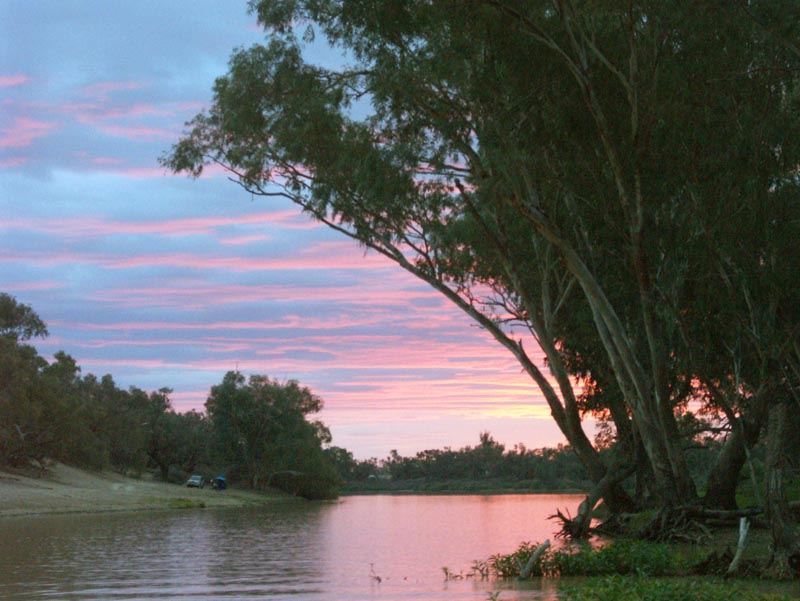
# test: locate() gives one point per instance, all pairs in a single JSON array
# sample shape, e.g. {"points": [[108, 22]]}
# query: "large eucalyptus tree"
{"points": [[579, 170]]}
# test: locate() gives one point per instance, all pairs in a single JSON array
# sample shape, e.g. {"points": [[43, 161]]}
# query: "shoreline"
{"points": [[64, 489], [457, 493]]}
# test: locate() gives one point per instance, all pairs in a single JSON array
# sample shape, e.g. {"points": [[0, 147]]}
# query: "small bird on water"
{"points": [[373, 575]]}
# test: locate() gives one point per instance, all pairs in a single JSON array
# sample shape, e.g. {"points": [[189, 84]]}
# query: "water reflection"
{"points": [[286, 551]]}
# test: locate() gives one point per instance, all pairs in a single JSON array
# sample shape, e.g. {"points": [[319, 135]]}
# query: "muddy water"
{"points": [[312, 551]]}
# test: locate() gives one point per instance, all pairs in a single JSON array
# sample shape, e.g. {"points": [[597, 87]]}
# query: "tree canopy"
{"points": [[19, 321], [261, 427], [618, 181]]}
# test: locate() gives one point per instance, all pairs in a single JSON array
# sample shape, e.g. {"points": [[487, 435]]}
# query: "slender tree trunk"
{"points": [[785, 544], [671, 478]]}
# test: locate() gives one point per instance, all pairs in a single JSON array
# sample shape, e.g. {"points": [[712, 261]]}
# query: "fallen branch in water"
{"points": [[525, 570], [744, 527]]}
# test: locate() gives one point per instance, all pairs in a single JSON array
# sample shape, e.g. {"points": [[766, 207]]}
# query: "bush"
{"points": [[619, 557]]}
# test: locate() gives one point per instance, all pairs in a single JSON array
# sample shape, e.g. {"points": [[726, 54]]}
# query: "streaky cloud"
{"points": [[10, 81], [23, 131]]}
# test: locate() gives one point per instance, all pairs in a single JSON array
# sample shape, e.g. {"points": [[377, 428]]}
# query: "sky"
{"points": [[164, 281]]}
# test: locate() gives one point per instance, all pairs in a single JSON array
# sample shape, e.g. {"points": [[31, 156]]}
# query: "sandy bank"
{"points": [[64, 489]]}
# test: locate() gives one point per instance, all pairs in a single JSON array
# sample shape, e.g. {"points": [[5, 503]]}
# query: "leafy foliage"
{"points": [[19, 321], [260, 426], [618, 557]]}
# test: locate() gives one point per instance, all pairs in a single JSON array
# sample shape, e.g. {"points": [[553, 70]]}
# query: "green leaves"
{"points": [[19, 321], [260, 425]]}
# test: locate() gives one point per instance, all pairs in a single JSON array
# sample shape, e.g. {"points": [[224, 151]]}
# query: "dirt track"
{"points": [[64, 489]]}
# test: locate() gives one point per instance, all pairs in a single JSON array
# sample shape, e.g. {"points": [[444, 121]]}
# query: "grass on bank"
{"points": [[183, 503], [642, 588]]}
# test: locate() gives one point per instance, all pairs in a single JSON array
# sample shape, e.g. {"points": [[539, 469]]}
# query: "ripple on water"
{"points": [[304, 551]]}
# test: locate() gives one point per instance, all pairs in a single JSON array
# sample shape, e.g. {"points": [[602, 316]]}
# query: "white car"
{"points": [[195, 481]]}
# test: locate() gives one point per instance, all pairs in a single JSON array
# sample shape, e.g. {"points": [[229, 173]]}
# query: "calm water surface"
{"points": [[315, 551]]}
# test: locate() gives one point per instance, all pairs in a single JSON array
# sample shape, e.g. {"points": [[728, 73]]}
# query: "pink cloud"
{"points": [[204, 295], [24, 131], [473, 363], [137, 132], [104, 89], [105, 108], [136, 172], [13, 162], [309, 260], [29, 286], [94, 227], [9, 81], [134, 110], [289, 322], [245, 264], [241, 240], [187, 400]]}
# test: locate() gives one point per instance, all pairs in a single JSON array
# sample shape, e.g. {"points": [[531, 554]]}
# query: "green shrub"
{"points": [[618, 557], [507, 566]]}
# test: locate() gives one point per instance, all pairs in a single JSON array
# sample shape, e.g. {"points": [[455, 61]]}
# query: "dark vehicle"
{"points": [[219, 483], [195, 481]]}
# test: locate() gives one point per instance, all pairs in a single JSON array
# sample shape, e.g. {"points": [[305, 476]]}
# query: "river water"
{"points": [[298, 551]]}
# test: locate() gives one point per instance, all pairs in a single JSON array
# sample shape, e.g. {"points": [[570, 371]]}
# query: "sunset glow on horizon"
{"points": [[163, 281]]}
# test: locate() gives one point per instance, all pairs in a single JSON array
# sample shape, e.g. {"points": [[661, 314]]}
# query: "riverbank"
{"points": [[65, 489]]}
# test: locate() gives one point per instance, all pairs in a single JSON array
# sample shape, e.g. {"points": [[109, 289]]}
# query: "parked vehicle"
{"points": [[219, 483], [195, 481]]}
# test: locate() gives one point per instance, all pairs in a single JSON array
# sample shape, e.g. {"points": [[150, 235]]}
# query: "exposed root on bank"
{"points": [[675, 525], [577, 528], [718, 564]]}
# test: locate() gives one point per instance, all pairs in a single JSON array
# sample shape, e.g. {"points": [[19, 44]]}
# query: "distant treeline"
{"points": [[487, 467], [490, 467], [255, 431]]}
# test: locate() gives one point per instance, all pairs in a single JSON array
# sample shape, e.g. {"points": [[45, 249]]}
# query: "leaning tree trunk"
{"points": [[606, 488], [644, 478], [671, 479], [785, 543], [724, 475], [726, 471]]}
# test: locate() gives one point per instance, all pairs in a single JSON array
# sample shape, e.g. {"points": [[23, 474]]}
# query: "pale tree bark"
{"points": [[541, 313], [644, 385], [673, 481]]}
